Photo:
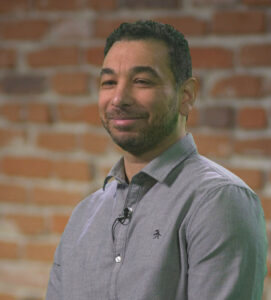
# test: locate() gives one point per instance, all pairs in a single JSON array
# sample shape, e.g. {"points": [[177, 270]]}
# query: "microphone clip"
{"points": [[126, 214]]}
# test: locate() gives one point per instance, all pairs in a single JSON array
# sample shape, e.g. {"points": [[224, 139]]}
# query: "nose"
{"points": [[122, 95]]}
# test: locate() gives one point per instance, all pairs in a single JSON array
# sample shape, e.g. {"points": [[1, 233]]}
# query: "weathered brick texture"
{"points": [[53, 150], [7, 58], [53, 56], [242, 22], [256, 55], [70, 83], [188, 25], [240, 86], [102, 5], [8, 6], [24, 30], [23, 84], [211, 58], [252, 118]]}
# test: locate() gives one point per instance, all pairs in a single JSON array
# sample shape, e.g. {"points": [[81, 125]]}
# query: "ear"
{"points": [[189, 90]]}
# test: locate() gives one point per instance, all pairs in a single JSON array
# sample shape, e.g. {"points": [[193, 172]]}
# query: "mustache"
{"points": [[124, 114]]}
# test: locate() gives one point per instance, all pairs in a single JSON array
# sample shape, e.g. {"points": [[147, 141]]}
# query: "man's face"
{"points": [[138, 101]]}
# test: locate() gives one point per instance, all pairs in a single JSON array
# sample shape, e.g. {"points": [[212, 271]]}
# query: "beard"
{"points": [[146, 137]]}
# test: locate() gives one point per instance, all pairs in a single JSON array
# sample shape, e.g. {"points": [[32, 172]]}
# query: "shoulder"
{"points": [[210, 175], [218, 194]]}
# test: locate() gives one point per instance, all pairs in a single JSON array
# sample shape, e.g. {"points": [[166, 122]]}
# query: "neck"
{"points": [[135, 163]]}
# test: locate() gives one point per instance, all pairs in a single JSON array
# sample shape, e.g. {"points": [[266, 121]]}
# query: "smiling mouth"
{"points": [[126, 123], [126, 118]]}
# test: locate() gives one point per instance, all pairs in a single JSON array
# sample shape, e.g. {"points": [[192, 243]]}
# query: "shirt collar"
{"points": [[161, 166]]}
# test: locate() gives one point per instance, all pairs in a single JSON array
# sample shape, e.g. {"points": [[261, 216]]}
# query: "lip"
{"points": [[125, 122]]}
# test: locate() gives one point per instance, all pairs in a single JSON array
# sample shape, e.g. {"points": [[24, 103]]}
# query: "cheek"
{"points": [[159, 104], [102, 103], [150, 99]]}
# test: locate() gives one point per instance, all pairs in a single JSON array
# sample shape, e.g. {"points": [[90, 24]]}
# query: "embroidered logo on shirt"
{"points": [[157, 234]]}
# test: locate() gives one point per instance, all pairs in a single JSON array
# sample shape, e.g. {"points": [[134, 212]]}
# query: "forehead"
{"points": [[127, 54]]}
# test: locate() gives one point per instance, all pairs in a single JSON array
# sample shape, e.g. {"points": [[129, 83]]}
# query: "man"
{"points": [[168, 223]]}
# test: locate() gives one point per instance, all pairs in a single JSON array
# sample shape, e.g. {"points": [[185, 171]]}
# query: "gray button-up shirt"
{"points": [[193, 231]]}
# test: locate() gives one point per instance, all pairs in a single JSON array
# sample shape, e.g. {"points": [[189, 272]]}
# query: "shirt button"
{"points": [[118, 259]]}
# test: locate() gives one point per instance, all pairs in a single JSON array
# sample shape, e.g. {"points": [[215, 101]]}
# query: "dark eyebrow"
{"points": [[135, 70], [107, 71], [145, 69]]}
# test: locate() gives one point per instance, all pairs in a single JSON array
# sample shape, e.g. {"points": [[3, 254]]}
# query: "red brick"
{"points": [[7, 6], [103, 27], [71, 113], [59, 5], [73, 170], [95, 56], [266, 204], [12, 112], [95, 143], [54, 56], [12, 193], [188, 25], [211, 57], [252, 118], [38, 113], [217, 117], [6, 297], [257, 2], [24, 30], [71, 29], [70, 83], [239, 22], [45, 196], [214, 2], [91, 115], [78, 113], [149, 4], [258, 146], [59, 222], [252, 177], [238, 86], [56, 141], [23, 84], [40, 251], [26, 166], [214, 145], [256, 55], [8, 250], [7, 136], [28, 224], [8, 58], [102, 5]]}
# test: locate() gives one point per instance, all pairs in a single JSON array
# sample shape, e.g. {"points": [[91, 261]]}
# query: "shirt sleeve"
{"points": [[227, 246]]}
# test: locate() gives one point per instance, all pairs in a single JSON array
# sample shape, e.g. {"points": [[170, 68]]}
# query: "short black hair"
{"points": [[179, 54]]}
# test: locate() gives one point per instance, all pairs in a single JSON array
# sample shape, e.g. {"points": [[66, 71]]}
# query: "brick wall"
{"points": [[53, 149]]}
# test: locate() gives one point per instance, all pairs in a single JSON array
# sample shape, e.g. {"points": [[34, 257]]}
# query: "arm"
{"points": [[227, 246]]}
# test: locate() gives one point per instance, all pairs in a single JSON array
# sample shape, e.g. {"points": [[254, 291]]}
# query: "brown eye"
{"points": [[108, 83], [143, 82]]}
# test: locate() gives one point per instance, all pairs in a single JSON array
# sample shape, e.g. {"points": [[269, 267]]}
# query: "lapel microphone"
{"points": [[125, 215]]}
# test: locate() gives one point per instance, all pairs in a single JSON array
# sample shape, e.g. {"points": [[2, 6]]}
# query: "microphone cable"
{"points": [[126, 215]]}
